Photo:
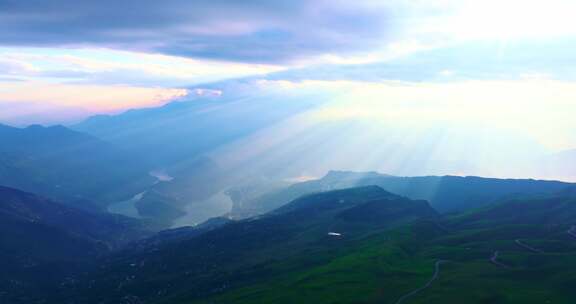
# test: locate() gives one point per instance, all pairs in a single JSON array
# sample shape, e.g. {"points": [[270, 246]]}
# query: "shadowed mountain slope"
{"points": [[42, 242], [69, 166]]}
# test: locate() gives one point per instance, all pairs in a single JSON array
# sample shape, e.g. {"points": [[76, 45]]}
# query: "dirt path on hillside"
{"points": [[415, 291], [528, 247], [572, 231], [494, 260]]}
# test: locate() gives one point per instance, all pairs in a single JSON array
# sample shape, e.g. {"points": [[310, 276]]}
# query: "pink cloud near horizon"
{"points": [[24, 103]]}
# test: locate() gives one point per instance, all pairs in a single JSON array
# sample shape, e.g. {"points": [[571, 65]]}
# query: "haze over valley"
{"points": [[318, 151]]}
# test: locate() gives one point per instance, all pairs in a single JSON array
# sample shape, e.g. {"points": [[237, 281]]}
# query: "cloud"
{"points": [[13, 67], [248, 31], [104, 66], [42, 102], [455, 62]]}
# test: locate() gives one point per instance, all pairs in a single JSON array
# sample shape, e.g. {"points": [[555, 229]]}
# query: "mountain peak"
{"points": [[335, 198], [339, 175]]}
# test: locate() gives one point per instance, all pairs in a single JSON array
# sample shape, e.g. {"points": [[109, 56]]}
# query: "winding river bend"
{"points": [[128, 207]]}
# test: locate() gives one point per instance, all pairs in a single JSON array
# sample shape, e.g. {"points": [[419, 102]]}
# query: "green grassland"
{"points": [[390, 250], [383, 267], [374, 269]]}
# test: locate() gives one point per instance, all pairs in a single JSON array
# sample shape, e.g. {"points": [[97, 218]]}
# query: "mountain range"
{"points": [[69, 166], [445, 193], [355, 245], [195, 202]]}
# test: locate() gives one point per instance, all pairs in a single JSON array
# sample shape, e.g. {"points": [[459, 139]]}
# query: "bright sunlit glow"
{"points": [[504, 104], [512, 19]]}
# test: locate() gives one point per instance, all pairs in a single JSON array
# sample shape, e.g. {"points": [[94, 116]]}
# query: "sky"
{"points": [[504, 64]]}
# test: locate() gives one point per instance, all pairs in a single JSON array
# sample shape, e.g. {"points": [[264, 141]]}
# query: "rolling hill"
{"points": [[237, 253], [354, 245]]}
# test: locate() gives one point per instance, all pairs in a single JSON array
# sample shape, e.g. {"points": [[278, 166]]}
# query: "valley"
{"points": [[287, 152], [196, 233], [345, 246]]}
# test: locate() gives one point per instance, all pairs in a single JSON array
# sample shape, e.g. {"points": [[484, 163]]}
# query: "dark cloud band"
{"points": [[249, 30]]}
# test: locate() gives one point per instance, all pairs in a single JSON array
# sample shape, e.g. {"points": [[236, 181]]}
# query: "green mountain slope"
{"points": [[519, 251], [315, 227], [357, 245]]}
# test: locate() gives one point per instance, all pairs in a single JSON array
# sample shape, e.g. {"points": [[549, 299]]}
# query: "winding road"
{"points": [[494, 260], [572, 231], [526, 246], [415, 291]]}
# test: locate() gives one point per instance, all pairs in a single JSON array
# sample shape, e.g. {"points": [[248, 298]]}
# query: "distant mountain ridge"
{"points": [[184, 130], [67, 165], [445, 193]]}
